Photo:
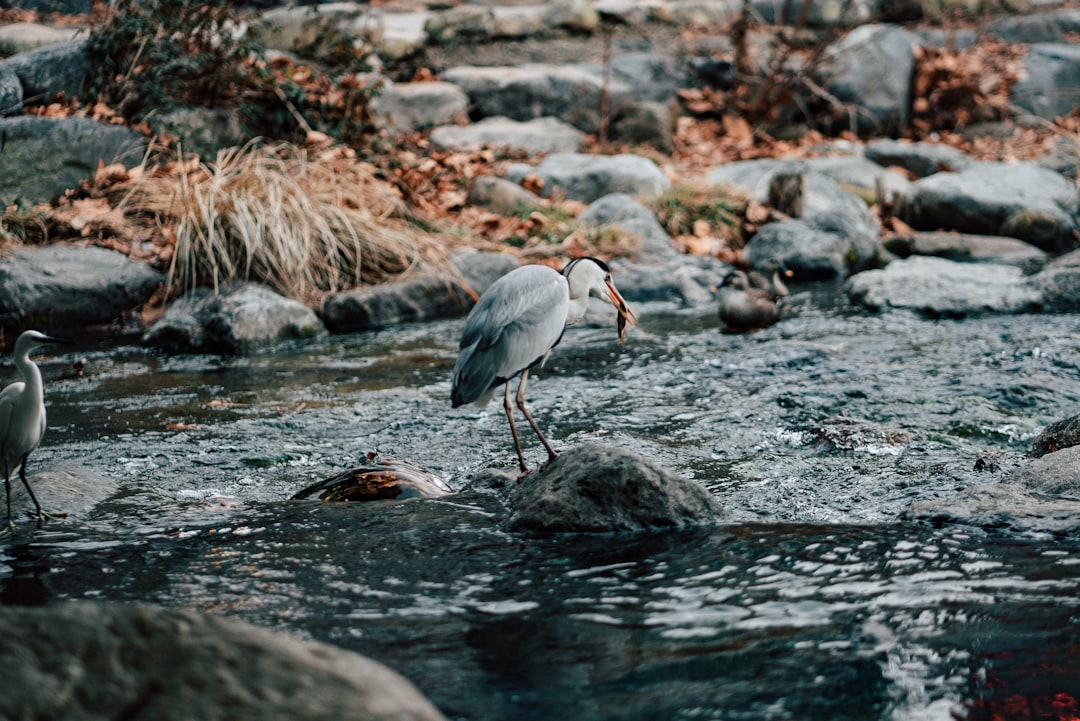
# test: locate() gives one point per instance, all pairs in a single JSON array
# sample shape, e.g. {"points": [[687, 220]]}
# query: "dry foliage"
{"points": [[303, 225]]}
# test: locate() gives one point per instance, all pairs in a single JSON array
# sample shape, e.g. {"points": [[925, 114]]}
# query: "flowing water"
{"points": [[817, 600]]}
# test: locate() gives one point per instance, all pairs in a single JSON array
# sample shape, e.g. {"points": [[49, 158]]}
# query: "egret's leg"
{"points": [[513, 428], [37, 506], [552, 455], [10, 528]]}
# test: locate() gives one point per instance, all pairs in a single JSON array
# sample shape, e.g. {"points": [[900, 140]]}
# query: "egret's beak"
{"points": [[626, 316]]}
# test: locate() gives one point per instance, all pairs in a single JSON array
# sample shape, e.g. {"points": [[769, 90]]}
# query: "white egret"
{"points": [[516, 323], [22, 416], [743, 307]]}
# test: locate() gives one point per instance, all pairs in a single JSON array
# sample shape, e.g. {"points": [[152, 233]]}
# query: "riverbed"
{"points": [[817, 599]]}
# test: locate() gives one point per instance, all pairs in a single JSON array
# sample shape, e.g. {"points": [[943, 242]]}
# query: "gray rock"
{"points": [[63, 286], [501, 196], [52, 70], [1059, 285], [952, 38], [421, 298], [541, 135], [520, 21], [69, 489], [965, 247], [820, 13], [835, 236], [654, 77], [622, 211], [647, 123], [982, 197], [936, 288], [1056, 436], [578, 16], [18, 38], [584, 177], [591, 488], [920, 159], [1002, 506], [203, 131], [1062, 158], [707, 13], [64, 7], [1051, 85], [858, 174], [479, 269], [240, 318], [1031, 28], [88, 660], [11, 92], [43, 157], [871, 69], [808, 252], [405, 107], [688, 280], [309, 30], [402, 34], [466, 23], [1056, 473], [530, 91]]}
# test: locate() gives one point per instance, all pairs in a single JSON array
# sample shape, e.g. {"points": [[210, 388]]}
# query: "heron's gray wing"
{"points": [[512, 327]]}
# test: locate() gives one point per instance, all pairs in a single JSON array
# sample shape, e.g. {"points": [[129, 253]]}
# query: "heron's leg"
{"points": [[513, 428], [552, 455]]}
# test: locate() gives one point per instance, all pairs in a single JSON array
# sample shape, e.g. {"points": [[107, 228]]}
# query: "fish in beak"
{"points": [[626, 316]]}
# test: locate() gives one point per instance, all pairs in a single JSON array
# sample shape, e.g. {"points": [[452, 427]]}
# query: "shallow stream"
{"points": [[818, 600]]}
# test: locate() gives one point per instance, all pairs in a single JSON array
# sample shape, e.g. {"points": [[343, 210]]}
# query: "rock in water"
{"points": [[93, 661], [385, 480], [591, 488]]}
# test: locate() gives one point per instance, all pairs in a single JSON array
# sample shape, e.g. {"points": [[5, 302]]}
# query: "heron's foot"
{"points": [[8, 529], [551, 459], [524, 472]]}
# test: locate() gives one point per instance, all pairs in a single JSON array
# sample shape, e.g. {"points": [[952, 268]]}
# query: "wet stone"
{"points": [[591, 488], [386, 480]]}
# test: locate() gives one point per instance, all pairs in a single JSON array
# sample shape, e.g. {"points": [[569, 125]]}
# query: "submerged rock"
{"points": [[1056, 436], [936, 288], [386, 480], [95, 661], [591, 488]]}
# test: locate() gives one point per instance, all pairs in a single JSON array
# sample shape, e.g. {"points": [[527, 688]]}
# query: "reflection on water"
{"points": [[814, 603]]}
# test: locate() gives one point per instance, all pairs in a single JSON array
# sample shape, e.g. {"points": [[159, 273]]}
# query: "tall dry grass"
{"points": [[271, 213]]}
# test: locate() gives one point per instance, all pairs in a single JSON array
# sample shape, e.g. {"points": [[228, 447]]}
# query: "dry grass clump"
{"points": [[303, 226], [705, 219]]}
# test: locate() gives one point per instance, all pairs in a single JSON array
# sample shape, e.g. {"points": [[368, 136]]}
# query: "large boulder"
{"points": [[241, 318], [61, 68], [871, 68], [622, 211], [936, 288], [1059, 283], [95, 661], [64, 286], [579, 176], [1050, 87], [22, 37], [591, 488], [1022, 200], [43, 157]]}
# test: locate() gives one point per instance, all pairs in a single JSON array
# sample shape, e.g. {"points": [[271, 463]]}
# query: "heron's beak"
{"points": [[626, 316]]}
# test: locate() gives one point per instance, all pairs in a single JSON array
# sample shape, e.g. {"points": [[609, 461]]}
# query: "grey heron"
{"points": [[743, 307], [22, 416], [515, 325]]}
